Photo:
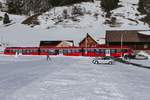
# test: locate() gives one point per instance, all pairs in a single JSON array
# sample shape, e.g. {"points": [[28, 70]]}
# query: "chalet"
{"points": [[88, 41], [65, 43], [135, 39]]}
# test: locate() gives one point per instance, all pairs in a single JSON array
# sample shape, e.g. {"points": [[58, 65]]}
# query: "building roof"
{"points": [[87, 35], [126, 36], [52, 43]]}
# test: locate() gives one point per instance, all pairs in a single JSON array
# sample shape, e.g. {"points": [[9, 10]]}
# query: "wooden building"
{"points": [[64, 43], [135, 39], [88, 41]]}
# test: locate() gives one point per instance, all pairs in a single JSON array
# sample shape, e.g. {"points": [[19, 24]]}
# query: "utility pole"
{"points": [[121, 44], [86, 44]]}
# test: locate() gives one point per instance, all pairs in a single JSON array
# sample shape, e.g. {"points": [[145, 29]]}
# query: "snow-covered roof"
{"points": [[144, 32]]}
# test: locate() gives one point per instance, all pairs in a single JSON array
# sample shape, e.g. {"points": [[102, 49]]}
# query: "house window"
{"points": [[145, 46]]}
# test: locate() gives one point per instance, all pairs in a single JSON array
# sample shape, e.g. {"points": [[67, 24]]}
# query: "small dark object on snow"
{"points": [[6, 19], [48, 57]]}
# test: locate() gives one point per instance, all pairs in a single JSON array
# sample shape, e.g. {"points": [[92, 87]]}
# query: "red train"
{"points": [[100, 51]]}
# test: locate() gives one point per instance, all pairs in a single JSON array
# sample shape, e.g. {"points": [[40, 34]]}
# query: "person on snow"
{"points": [[48, 57]]}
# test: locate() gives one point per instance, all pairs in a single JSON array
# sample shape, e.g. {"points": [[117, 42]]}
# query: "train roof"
{"points": [[46, 47]]}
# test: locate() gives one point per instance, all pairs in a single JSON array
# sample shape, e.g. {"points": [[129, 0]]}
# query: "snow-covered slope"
{"points": [[2, 1], [53, 25], [128, 15]]}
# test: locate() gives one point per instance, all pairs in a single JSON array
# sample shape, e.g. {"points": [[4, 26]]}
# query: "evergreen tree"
{"points": [[36, 6], [144, 8], [141, 7], [0, 5], [6, 19], [108, 5], [14, 6]]}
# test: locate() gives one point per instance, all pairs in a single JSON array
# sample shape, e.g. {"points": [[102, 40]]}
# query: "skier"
{"points": [[48, 57]]}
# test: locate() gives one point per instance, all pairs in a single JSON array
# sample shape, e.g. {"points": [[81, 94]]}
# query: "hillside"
{"points": [[64, 23]]}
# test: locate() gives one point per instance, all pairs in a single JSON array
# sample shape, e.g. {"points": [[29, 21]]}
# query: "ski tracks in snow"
{"points": [[78, 79]]}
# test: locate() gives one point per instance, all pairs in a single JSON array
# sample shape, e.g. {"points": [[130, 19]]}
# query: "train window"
{"points": [[56, 51], [65, 51], [118, 50], [43, 50], [97, 51], [24, 51], [31, 51], [7, 50], [80, 50], [69, 51], [102, 51], [124, 50], [35, 50], [112, 51], [51, 51], [84, 50], [11, 51], [90, 50], [75, 51], [27, 51]]}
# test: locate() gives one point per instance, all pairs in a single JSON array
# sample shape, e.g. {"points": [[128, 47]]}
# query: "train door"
{"points": [[60, 51], [19, 52], [107, 52]]}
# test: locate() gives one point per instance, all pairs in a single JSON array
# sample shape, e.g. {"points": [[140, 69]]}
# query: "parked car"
{"points": [[140, 57], [103, 60]]}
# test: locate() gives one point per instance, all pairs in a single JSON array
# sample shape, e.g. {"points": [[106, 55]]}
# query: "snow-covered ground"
{"points": [[70, 78], [142, 62]]}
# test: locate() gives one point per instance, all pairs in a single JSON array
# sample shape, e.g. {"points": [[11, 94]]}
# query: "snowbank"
{"points": [[145, 32], [144, 53]]}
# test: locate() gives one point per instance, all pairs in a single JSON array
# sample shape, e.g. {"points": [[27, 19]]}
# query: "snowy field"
{"points": [[70, 78], [142, 62]]}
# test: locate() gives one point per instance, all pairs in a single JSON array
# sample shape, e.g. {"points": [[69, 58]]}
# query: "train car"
{"points": [[66, 51], [48, 51], [101, 51], [21, 51]]}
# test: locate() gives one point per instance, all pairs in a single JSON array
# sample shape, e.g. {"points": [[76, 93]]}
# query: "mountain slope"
{"points": [[63, 23]]}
